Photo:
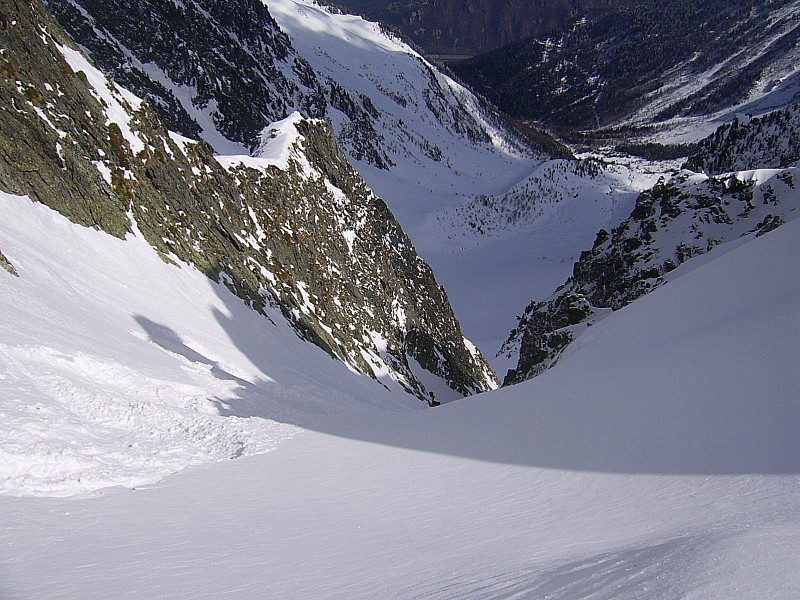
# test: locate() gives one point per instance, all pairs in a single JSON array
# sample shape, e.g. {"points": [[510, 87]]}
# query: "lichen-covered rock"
{"points": [[6, 264], [304, 234]]}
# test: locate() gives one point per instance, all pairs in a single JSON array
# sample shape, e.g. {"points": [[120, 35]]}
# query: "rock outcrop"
{"points": [[748, 143], [301, 232], [678, 219]]}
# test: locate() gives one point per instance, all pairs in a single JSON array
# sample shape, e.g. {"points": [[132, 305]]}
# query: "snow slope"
{"points": [[119, 369], [658, 459], [443, 142]]}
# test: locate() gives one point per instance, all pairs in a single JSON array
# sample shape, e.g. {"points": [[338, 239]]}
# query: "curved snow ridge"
{"points": [[79, 422], [279, 143]]}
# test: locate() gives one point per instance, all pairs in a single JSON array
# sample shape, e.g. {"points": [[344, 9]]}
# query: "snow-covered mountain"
{"points": [[679, 219], [152, 293], [292, 227], [222, 70], [657, 460]]}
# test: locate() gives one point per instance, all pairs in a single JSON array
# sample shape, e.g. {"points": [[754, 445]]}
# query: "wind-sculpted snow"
{"points": [[93, 393]]}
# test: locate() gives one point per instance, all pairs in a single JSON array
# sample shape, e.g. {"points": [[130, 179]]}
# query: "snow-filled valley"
{"points": [[159, 438], [658, 459], [490, 261]]}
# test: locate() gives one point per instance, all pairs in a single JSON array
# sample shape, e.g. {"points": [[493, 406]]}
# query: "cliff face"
{"points": [[296, 228], [210, 69]]}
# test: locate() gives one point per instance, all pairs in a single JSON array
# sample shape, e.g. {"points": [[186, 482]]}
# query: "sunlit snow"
{"points": [[658, 459]]}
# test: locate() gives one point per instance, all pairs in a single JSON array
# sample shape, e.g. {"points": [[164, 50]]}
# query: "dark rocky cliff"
{"points": [[214, 70], [309, 238]]}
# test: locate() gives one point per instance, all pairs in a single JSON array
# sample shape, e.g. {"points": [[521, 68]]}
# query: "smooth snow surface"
{"points": [[659, 459]]}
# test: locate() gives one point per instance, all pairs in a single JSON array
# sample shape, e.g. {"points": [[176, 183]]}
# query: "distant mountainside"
{"points": [[745, 143], [220, 71], [677, 220], [469, 27], [648, 63], [292, 227]]}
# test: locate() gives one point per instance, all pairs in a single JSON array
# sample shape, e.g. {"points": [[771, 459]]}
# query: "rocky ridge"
{"points": [[212, 70], [680, 218], [304, 234], [220, 71]]}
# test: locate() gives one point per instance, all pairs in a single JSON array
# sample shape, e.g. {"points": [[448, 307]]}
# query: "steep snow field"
{"points": [[659, 459], [115, 366]]}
